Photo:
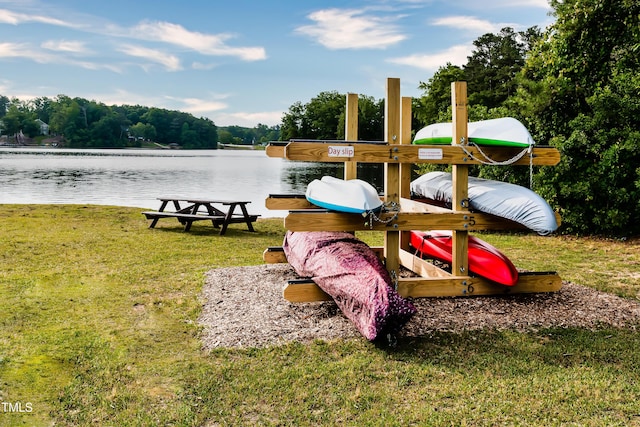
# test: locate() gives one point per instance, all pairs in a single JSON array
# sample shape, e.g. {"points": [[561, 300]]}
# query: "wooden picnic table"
{"points": [[197, 209]]}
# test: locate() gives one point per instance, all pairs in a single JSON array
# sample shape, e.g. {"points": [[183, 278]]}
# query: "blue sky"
{"points": [[239, 62]]}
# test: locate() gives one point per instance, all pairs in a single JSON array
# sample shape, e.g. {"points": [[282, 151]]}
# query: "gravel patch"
{"points": [[244, 307]]}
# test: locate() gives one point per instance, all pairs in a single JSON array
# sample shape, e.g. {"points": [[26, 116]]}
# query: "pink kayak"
{"points": [[485, 260]]}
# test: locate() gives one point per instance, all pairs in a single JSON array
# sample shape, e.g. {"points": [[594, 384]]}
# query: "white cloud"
{"points": [[269, 118], [166, 32], [198, 107], [201, 66], [14, 50], [15, 18], [468, 23], [206, 44], [456, 55], [351, 29], [170, 62], [71, 46], [26, 51]]}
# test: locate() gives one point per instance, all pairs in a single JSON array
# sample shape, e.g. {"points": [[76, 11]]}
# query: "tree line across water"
{"points": [[575, 86], [90, 124]]}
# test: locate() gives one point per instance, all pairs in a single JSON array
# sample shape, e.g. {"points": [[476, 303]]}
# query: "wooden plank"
{"points": [[405, 168], [421, 267], [322, 220], [437, 287], [476, 286], [459, 179], [408, 205], [275, 150], [288, 202], [179, 215], [392, 119], [274, 255], [396, 153], [351, 132], [304, 291]]}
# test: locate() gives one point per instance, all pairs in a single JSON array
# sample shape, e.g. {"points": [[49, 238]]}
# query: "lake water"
{"points": [[136, 177]]}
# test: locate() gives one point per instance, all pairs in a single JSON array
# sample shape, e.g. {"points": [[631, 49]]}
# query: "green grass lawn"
{"points": [[98, 325]]}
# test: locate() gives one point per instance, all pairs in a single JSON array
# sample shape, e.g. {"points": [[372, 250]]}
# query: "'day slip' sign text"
{"points": [[341, 151]]}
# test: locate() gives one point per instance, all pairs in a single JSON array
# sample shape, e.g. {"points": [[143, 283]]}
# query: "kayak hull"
{"points": [[485, 260], [350, 196], [510, 201], [502, 132], [352, 274]]}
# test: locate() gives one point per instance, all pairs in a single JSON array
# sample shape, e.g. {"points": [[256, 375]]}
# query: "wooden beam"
{"points": [[421, 267], [392, 129], [460, 179], [304, 291], [397, 153], [274, 255], [351, 132], [275, 150], [288, 202], [324, 220], [405, 168], [477, 286], [438, 287]]}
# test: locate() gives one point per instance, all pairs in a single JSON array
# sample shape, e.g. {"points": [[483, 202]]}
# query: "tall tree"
{"points": [[323, 115], [582, 96], [293, 123], [434, 105], [4, 105], [492, 68]]}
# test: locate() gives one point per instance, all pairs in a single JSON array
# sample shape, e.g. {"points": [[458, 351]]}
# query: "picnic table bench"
{"points": [[202, 210]]}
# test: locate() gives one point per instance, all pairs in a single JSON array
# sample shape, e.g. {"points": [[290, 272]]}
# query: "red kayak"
{"points": [[484, 259]]}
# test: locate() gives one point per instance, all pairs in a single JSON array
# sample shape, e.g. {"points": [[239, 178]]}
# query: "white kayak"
{"points": [[352, 196], [498, 198], [503, 132]]}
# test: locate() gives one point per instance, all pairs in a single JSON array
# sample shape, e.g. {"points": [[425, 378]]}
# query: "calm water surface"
{"points": [[136, 177]]}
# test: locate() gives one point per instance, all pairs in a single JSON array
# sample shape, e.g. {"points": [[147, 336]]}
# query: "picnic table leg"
{"points": [[246, 216], [155, 220], [194, 210], [227, 218]]}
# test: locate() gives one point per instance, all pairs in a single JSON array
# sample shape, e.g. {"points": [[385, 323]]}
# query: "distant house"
{"points": [[44, 128]]}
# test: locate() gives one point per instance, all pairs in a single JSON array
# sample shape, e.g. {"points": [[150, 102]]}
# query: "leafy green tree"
{"points": [[581, 95], [143, 130], [161, 120], [324, 118], [293, 122], [188, 137], [492, 68], [12, 121], [323, 115], [107, 132], [4, 105], [18, 120], [435, 104], [370, 119]]}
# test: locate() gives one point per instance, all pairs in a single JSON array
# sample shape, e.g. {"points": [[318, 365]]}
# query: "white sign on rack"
{"points": [[430, 153], [341, 151]]}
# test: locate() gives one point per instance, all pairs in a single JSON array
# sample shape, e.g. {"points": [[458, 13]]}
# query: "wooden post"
{"points": [[405, 168], [351, 132], [460, 179], [392, 170]]}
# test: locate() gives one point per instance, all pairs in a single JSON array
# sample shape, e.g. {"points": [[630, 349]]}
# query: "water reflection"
{"points": [[298, 174]]}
